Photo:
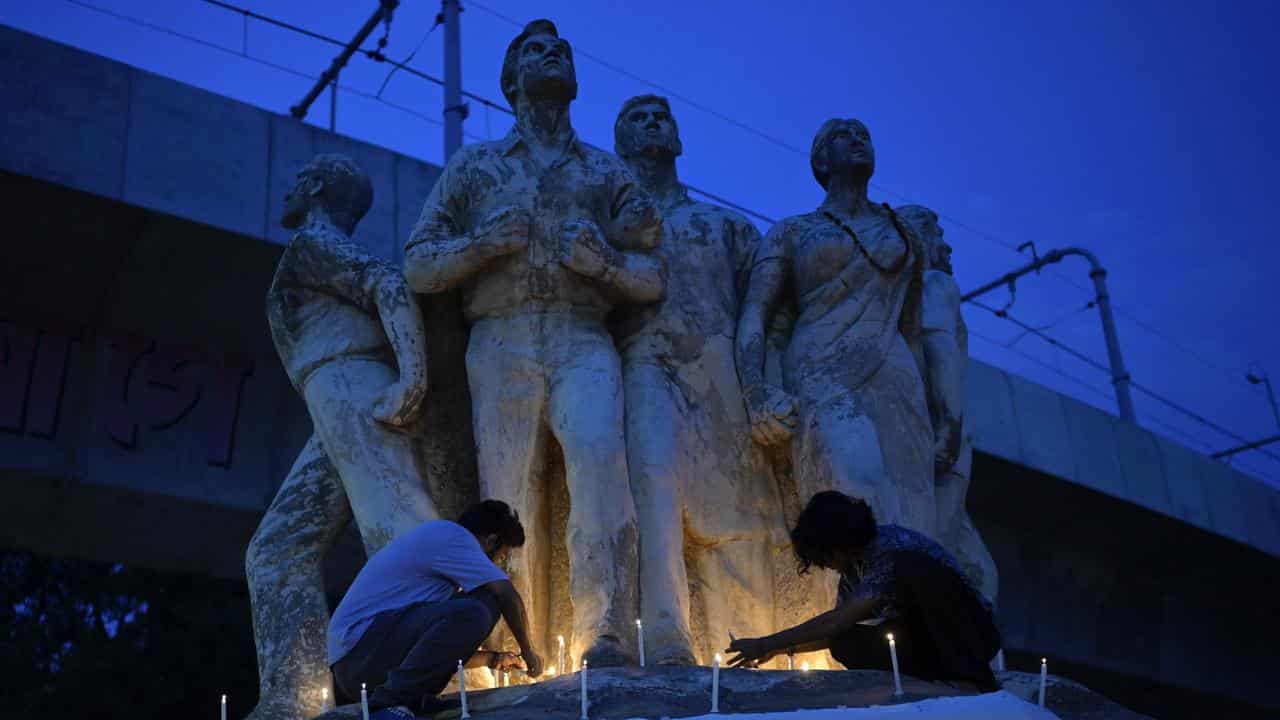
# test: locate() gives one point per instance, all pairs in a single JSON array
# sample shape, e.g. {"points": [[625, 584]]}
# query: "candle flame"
{"points": [[1044, 661], [890, 636], [637, 622], [224, 699], [324, 693], [560, 638], [584, 664], [361, 687], [804, 666], [717, 658]]}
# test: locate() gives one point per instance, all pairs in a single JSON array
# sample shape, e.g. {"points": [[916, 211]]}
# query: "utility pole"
{"points": [[1262, 379], [455, 111], [329, 78], [1119, 375]]}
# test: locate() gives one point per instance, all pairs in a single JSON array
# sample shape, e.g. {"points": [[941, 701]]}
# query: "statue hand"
{"points": [[504, 231], [583, 248], [773, 415], [946, 447], [399, 405]]}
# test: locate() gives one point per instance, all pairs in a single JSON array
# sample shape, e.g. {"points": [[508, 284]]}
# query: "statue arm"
{"points": [[945, 364], [440, 253], [341, 268], [633, 275], [772, 411]]}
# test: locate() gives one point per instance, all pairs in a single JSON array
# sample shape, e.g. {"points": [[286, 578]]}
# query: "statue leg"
{"points": [[507, 397], [378, 466], [653, 429], [586, 415], [283, 566]]}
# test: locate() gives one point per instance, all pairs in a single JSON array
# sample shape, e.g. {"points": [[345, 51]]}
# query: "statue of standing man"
{"points": [[544, 235], [702, 491]]}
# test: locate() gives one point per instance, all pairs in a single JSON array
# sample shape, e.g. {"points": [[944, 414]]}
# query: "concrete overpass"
{"points": [[145, 419]]}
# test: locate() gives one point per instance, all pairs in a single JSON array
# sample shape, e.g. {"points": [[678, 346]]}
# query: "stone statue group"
{"points": [[691, 381]]}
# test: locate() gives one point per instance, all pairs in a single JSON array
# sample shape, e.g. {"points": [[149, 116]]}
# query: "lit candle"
{"points": [[224, 707], [364, 702], [584, 690], [324, 698], [715, 684], [804, 666], [791, 661], [561, 664], [506, 679], [1000, 660], [640, 637], [893, 655], [462, 691], [1044, 676]]}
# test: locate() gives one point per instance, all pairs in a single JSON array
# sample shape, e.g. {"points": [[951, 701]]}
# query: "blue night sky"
{"points": [[1144, 131]]}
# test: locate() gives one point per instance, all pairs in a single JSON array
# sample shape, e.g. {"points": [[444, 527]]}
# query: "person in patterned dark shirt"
{"points": [[892, 580]]}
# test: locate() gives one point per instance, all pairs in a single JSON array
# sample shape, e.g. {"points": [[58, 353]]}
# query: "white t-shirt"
{"points": [[431, 563]]}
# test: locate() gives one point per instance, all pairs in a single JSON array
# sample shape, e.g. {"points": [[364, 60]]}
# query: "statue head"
{"points": [[539, 65], [333, 184], [842, 147], [645, 126], [925, 222]]}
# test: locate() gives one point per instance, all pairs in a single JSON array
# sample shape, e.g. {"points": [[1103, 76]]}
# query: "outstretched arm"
{"points": [[513, 611], [815, 634]]}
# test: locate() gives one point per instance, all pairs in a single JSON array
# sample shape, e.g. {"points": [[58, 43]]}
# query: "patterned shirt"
{"points": [[877, 569]]}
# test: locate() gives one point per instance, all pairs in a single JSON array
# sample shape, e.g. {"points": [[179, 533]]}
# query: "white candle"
{"points": [[893, 656], [224, 707], [324, 698], [791, 661], [1044, 676], [715, 684], [462, 690], [364, 702], [1000, 660], [560, 666], [640, 637], [584, 690], [506, 679]]}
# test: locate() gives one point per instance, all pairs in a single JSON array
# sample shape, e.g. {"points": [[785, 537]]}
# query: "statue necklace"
{"points": [[897, 266]]}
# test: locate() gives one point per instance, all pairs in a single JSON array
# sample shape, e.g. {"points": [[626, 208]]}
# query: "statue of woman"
{"points": [[852, 394]]}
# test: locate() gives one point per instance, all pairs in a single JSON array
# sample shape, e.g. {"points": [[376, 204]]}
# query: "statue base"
{"points": [[676, 692]]}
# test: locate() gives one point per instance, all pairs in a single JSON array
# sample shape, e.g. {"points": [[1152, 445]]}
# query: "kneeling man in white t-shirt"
{"points": [[426, 600]]}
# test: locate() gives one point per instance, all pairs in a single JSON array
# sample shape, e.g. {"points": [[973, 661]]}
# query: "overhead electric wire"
{"points": [[1004, 314]]}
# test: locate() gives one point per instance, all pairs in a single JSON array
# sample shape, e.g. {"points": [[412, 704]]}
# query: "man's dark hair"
{"points": [[511, 61], [832, 521], [494, 517]]}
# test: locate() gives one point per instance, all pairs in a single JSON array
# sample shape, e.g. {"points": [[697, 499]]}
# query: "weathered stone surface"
{"points": [[544, 235], [852, 392], [686, 692], [350, 336], [709, 509]]}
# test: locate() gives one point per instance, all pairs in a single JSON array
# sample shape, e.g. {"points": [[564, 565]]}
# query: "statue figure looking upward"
{"points": [[944, 357], [351, 338], [702, 490], [852, 393], [544, 235]]}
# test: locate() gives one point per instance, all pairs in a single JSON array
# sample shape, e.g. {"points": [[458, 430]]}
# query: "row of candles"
{"points": [[715, 677]]}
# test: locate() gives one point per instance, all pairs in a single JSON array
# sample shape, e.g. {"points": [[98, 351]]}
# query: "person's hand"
{"points": [[750, 652], [773, 415], [584, 250], [504, 231], [507, 661], [532, 663], [400, 404]]}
